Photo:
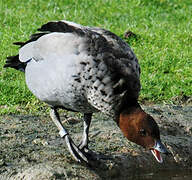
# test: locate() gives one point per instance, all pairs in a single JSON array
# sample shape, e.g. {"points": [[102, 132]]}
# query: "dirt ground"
{"points": [[30, 147]]}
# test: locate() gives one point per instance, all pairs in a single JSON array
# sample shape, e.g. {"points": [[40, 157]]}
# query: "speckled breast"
{"points": [[98, 83]]}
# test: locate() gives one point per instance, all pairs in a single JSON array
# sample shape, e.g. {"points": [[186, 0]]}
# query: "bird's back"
{"points": [[80, 68]]}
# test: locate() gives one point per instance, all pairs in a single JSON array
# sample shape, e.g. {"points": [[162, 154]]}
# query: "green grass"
{"points": [[163, 44]]}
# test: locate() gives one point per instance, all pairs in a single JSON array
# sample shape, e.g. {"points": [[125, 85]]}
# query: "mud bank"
{"points": [[30, 147]]}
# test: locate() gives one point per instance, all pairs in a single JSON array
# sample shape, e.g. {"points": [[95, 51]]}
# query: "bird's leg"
{"points": [[85, 139], [73, 149], [56, 119], [86, 124]]}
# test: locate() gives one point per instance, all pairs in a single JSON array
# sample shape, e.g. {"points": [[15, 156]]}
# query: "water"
{"points": [[172, 174]]}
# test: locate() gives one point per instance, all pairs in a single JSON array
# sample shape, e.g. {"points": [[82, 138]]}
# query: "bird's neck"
{"points": [[128, 109], [128, 120]]}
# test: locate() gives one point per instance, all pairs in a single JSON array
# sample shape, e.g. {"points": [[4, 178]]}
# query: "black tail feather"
{"points": [[36, 36], [19, 43], [33, 37], [13, 62]]}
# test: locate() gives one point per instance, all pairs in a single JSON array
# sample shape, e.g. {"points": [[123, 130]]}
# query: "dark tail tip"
{"points": [[13, 62]]}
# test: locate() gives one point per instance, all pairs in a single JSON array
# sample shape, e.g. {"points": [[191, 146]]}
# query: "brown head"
{"points": [[140, 128]]}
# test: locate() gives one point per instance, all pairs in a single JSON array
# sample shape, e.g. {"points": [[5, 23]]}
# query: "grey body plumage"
{"points": [[79, 68]]}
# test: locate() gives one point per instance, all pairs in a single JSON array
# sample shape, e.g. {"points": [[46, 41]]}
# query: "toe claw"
{"points": [[78, 154]]}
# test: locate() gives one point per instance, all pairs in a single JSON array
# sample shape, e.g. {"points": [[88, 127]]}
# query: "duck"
{"points": [[87, 70]]}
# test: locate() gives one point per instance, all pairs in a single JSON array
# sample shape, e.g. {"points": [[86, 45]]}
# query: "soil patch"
{"points": [[30, 147]]}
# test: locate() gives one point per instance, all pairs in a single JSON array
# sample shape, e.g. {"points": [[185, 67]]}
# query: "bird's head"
{"points": [[140, 128]]}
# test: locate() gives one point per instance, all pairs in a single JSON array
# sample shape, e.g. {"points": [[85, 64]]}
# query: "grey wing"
{"points": [[100, 44]]}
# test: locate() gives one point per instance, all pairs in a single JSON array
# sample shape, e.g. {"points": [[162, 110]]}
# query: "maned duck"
{"points": [[87, 69]]}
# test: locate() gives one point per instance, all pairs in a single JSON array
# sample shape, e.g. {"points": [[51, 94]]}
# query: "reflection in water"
{"points": [[173, 174]]}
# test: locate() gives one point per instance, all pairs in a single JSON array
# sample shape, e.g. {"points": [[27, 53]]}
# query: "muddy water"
{"points": [[166, 174]]}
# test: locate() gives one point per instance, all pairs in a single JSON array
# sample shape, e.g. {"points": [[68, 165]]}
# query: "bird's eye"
{"points": [[143, 132]]}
